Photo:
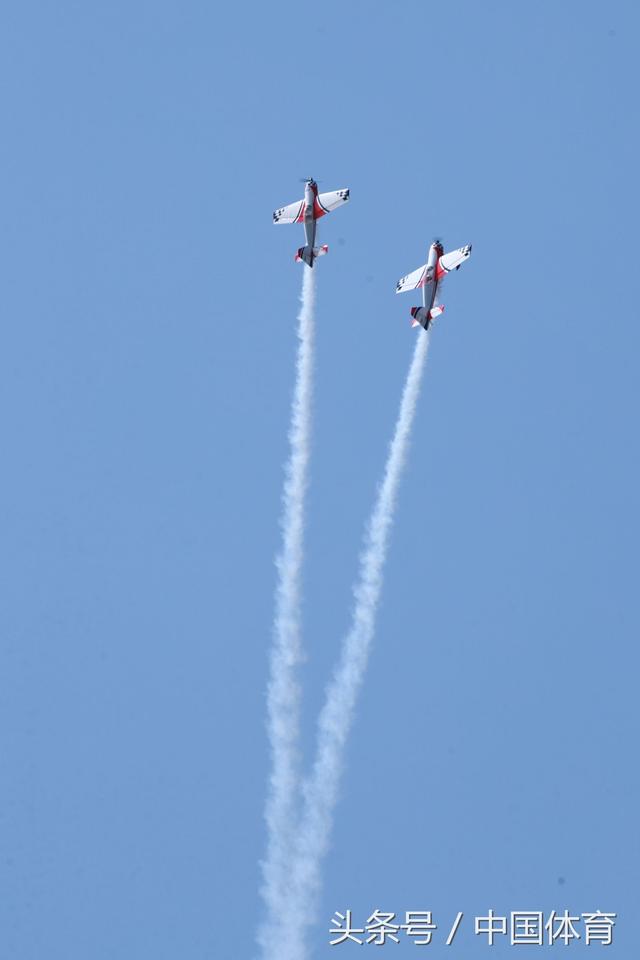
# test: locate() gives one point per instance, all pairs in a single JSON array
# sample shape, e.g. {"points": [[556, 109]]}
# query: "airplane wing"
{"points": [[329, 201], [413, 281], [293, 213], [451, 261]]}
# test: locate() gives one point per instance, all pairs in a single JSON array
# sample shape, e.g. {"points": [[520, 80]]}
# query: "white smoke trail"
{"points": [[336, 717], [283, 694]]}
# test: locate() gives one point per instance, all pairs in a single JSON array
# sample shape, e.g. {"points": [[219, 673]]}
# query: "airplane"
{"points": [[308, 211], [429, 277]]}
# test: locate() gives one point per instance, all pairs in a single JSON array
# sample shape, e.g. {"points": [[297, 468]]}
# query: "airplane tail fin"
{"points": [[309, 254], [423, 317]]}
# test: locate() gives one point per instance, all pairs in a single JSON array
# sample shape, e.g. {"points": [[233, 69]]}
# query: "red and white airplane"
{"points": [[308, 211], [428, 279]]}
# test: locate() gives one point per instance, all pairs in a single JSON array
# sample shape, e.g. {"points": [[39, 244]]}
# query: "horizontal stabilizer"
{"points": [[423, 317], [309, 254]]}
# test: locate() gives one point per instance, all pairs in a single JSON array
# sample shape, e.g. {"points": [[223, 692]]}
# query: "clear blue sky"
{"points": [[146, 365]]}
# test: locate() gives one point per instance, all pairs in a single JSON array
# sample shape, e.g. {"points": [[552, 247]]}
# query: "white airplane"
{"points": [[307, 211], [428, 277]]}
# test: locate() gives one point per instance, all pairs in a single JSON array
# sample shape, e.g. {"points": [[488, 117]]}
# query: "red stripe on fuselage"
{"points": [[318, 209]]}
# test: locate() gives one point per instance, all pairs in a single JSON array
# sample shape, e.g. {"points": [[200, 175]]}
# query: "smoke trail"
{"points": [[321, 789], [283, 694]]}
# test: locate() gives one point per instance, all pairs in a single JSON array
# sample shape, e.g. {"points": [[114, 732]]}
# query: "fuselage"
{"points": [[430, 290], [310, 194]]}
